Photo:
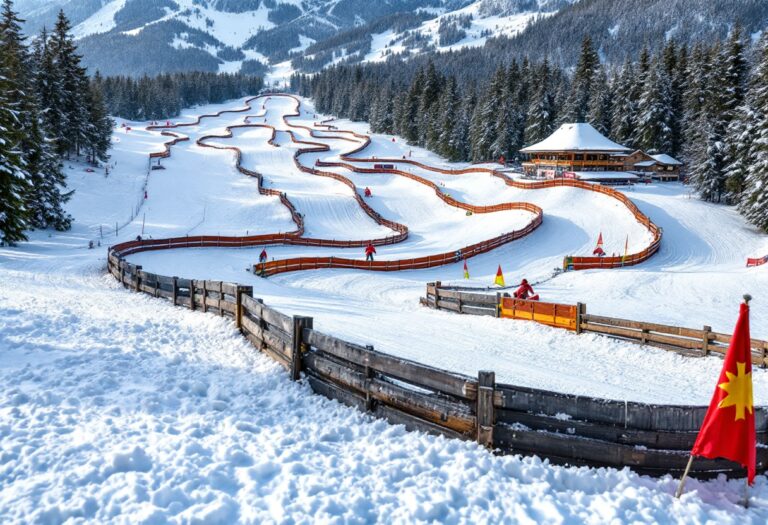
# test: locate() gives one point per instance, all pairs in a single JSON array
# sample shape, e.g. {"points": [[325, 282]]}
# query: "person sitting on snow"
{"points": [[367, 191], [369, 251], [525, 291], [598, 251]]}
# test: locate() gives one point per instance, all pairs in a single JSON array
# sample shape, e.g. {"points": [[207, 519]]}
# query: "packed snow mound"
{"points": [[578, 136]]}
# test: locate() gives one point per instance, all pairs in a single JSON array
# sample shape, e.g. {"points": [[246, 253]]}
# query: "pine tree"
{"points": [[754, 198], [541, 113], [583, 80], [624, 110], [450, 114], [654, 132], [98, 136], [14, 185], [599, 110]]}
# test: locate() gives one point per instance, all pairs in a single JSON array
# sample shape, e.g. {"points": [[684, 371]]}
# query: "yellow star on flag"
{"points": [[739, 390]]}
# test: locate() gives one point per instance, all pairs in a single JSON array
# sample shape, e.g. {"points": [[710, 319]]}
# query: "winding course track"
{"points": [[400, 231]]}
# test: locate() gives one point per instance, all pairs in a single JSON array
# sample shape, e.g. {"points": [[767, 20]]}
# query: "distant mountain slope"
{"points": [[151, 36]]}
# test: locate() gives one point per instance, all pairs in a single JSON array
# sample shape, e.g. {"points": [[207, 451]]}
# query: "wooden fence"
{"points": [[567, 429], [686, 341]]}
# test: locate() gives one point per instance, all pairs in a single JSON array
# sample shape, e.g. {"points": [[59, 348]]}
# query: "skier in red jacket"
{"points": [[369, 251], [525, 291], [367, 191], [263, 256]]}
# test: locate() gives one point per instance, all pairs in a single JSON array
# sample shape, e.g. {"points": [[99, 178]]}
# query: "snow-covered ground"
{"points": [[117, 407]]}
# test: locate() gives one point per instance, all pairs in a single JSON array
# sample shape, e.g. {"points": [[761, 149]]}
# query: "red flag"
{"points": [[600, 239], [728, 430], [499, 277], [466, 270]]}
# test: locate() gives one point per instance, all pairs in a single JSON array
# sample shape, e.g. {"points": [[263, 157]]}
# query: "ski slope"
{"points": [[117, 407]]}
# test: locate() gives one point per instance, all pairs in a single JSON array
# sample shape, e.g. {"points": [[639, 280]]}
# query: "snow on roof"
{"points": [[663, 158], [578, 136], [605, 175], [645, 163]]}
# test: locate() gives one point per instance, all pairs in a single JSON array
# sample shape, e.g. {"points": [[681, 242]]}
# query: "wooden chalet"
{"points": [[579, 151]]}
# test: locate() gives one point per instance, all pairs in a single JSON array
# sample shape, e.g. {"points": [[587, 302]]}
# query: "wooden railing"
{"points": [[686, 341], [567, 429]]}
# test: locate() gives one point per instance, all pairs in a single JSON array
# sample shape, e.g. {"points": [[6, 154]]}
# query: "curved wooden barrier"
{"points": [[565, 428]]}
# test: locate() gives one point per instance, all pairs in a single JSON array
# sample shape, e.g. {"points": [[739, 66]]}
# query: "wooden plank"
{"points": [[638, 325], [475, 310], [674, 440], [403, 369], [680, 342], [601, 453], [452, 415], [469, 297], [268, 338], [273, 317], [447, 305]]}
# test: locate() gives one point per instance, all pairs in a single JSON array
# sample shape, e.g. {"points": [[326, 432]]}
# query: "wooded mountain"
{"points": [[134, 37]]}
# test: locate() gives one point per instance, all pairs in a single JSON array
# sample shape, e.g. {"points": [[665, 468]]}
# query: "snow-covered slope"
{"points": [[116, 407]]}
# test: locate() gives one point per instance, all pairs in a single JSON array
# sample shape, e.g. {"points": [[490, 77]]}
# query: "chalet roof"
{"points": [[645, 163], [663, 158], [578, 136]]}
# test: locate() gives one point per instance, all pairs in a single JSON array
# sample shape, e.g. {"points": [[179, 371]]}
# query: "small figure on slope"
{"points": [[525, 291], [369, 251], [263, 256], [367, 191]]}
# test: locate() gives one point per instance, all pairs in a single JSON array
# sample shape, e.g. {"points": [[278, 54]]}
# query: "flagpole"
{"points": [[679, 491]]}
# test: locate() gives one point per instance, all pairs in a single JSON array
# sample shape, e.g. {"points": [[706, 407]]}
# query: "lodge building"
{"points": [[579, 151]]}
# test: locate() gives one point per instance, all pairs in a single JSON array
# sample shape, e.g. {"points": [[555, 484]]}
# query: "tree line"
{"points": [[707, 105], [49, 111], [164, 96]]}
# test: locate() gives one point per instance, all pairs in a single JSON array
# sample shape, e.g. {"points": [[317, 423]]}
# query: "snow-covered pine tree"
{"points": [[70, 82], [44, 198], [460, 142], [624, 109], [541, 111], [14, 185], [735, 116], [754, 198], [654, 133], [482, 133], [599, 110], [427, 109], [449, 115], [580, 95], [100, 125]]}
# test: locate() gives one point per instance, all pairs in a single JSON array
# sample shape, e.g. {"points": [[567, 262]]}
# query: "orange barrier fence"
{"points": [[296, 237], [759, 261], [551, 314]]}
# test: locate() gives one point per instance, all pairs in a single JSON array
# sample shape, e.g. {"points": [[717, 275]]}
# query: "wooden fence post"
{"points": [[486, 383], [122, 272], [498, 305], [138, 278], [192, 294], [241, 290], [581, 309], [369, 401], [205, 297], [221, 298], [705, 340], [297, 344], [175, 291]]}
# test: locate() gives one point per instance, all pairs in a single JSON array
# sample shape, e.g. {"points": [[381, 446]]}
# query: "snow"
{"points": [[605, 175], [579, 136], [101, 21], [663, 158], [116, 407]]}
